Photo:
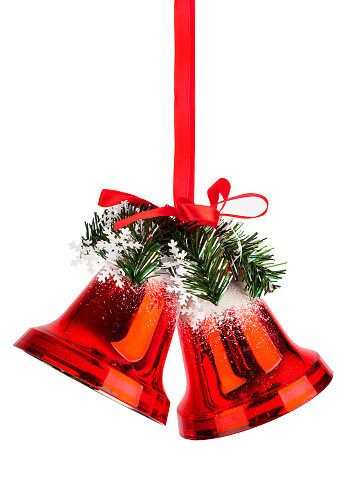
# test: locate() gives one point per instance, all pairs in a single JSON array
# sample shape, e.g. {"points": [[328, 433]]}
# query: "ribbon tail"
{"points": [[111, 197], [151, 213], [221, 186]]}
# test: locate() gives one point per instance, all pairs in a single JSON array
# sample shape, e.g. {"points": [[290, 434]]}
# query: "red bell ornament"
{"points": [[115, 340], [242, 370]]}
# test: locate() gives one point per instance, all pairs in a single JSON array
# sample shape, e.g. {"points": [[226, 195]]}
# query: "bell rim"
{"points": [[220, 424], [47, 347]]}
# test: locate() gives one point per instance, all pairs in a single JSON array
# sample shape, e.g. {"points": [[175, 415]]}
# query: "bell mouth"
{"points": [[260, 410], [108, 380]]}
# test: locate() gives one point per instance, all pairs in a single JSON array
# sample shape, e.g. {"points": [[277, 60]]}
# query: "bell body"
{"points": [[242, 370], [114, 340]]}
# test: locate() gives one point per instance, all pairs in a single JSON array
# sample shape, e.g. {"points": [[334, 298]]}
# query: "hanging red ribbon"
{"points": [[184, 208]]}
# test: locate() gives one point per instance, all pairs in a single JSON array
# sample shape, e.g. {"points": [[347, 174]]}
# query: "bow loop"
{"points": [[243, 196]]}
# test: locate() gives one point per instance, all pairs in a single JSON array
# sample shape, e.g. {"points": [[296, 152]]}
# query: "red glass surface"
{"points": [[243, 371], [114, 340]]}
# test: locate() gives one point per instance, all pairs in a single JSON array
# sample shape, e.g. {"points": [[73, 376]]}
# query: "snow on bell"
{"points": [[242, 370], [115, 340]]}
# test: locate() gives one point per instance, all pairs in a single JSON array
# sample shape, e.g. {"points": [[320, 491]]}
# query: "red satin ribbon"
{"points": [[184, 209], [184, 159]]}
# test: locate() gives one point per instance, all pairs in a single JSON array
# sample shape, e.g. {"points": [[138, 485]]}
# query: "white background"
{"points": [[86, 96]]}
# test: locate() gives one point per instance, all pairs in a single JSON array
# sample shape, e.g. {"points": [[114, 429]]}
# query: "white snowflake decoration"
{"points": [[84, 253], [189, 303], [110, 270]]}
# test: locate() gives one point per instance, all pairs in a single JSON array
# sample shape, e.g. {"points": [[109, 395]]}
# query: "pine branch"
{"points": [[209, 257], [254, 263], [94, 232], [141, 257], [206, 273]]}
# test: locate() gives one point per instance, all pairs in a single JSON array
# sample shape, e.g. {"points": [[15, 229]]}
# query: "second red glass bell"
{"points": [[242, 370], [115, 340]]}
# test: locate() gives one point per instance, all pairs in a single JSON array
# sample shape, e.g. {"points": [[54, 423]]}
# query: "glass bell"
{"points": [[115, 340], [242, 370]]}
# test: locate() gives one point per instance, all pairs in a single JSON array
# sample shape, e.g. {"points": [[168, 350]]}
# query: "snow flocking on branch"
{"points": [[143, 250]]}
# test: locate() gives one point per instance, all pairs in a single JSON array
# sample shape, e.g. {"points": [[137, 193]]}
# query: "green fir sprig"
{"points": [[205, 267], [253, 263], [140, 252], [205, 259]]}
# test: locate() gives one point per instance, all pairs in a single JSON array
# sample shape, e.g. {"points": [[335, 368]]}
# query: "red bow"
{"points": [[184, 209]]}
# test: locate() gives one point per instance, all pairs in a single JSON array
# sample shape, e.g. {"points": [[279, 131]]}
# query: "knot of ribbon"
{"points": [[184, 208]]}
